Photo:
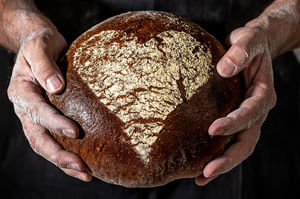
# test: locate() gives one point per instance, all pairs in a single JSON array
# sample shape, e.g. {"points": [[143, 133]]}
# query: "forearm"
{"points": [[18, 19], [280, 22]]}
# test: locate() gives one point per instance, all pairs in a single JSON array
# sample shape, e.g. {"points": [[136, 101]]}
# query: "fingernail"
{"points": [[53, 83], [73, 166], [227, 67], [69, 133]]}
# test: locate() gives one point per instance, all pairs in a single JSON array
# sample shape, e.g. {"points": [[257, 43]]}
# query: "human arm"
{"points": [[253, 47], [38, 44]]}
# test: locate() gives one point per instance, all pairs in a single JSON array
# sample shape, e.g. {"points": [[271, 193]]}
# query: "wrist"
{"points": [[280, 25], [18, 25]]}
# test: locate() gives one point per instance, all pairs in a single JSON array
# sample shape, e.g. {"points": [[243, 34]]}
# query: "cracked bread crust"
{"points": [[144, 89]]}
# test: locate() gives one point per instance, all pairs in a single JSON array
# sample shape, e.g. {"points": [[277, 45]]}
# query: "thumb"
{"points": [[45, 70], [246, 44]]}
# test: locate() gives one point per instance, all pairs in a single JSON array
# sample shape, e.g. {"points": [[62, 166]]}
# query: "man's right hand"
{"points": [[35, 70]]}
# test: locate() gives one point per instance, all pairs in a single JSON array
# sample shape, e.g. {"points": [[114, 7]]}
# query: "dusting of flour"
{"points": [[142, 83]]}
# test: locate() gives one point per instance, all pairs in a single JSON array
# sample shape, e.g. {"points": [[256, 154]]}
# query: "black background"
{"points": [[273, 170]]}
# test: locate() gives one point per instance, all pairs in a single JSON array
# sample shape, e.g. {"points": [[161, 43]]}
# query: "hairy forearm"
{"points": [[280, 22], [18, 19]]}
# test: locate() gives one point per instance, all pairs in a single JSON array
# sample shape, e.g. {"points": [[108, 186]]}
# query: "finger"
{"points": [[236, 153], [43, 144], [43, 67], [242, 118], [84, 176], [247, 114], [202, 180], [27, 98], [246, 44]]}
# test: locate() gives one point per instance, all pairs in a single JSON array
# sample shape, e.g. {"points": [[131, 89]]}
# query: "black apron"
{"points": [[27, 175]]}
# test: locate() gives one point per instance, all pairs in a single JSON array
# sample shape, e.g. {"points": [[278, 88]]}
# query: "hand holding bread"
{"points": [[249, 55], [35, 70]]}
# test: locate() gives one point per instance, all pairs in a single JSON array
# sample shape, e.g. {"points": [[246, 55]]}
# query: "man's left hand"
{"points": [[250, 55]]}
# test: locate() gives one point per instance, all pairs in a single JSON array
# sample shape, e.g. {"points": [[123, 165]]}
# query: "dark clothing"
{"points": [[218, 17], [271, 172]]}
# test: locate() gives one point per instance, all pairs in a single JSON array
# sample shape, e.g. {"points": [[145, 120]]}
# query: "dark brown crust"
{"points": [[183, 147]]}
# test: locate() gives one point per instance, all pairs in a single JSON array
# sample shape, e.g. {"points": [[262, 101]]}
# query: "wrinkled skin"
{"points": [[250, 55], [30, 73], [251, 51], [35, 72]]}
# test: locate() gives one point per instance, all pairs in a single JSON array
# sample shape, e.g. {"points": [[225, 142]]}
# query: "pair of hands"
{"points": [[35, 70]]}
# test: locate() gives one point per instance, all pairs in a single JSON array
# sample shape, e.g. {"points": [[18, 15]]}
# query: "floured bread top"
{"points": [[142, 83]]}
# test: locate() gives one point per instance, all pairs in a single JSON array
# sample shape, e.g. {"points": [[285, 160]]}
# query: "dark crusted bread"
{"points": [[143, 87]]}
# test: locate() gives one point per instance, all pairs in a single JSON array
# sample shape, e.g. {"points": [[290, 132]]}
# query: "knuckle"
{"points": [[243, 50], [14, 91], [32, 112], [10, 92], [18, 110], [58, 159], [239, 55], [55, 159], [244, 55], [235, 35]]}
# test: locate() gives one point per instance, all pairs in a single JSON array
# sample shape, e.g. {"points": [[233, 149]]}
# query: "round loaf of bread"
{"points": [[143, 88]]}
